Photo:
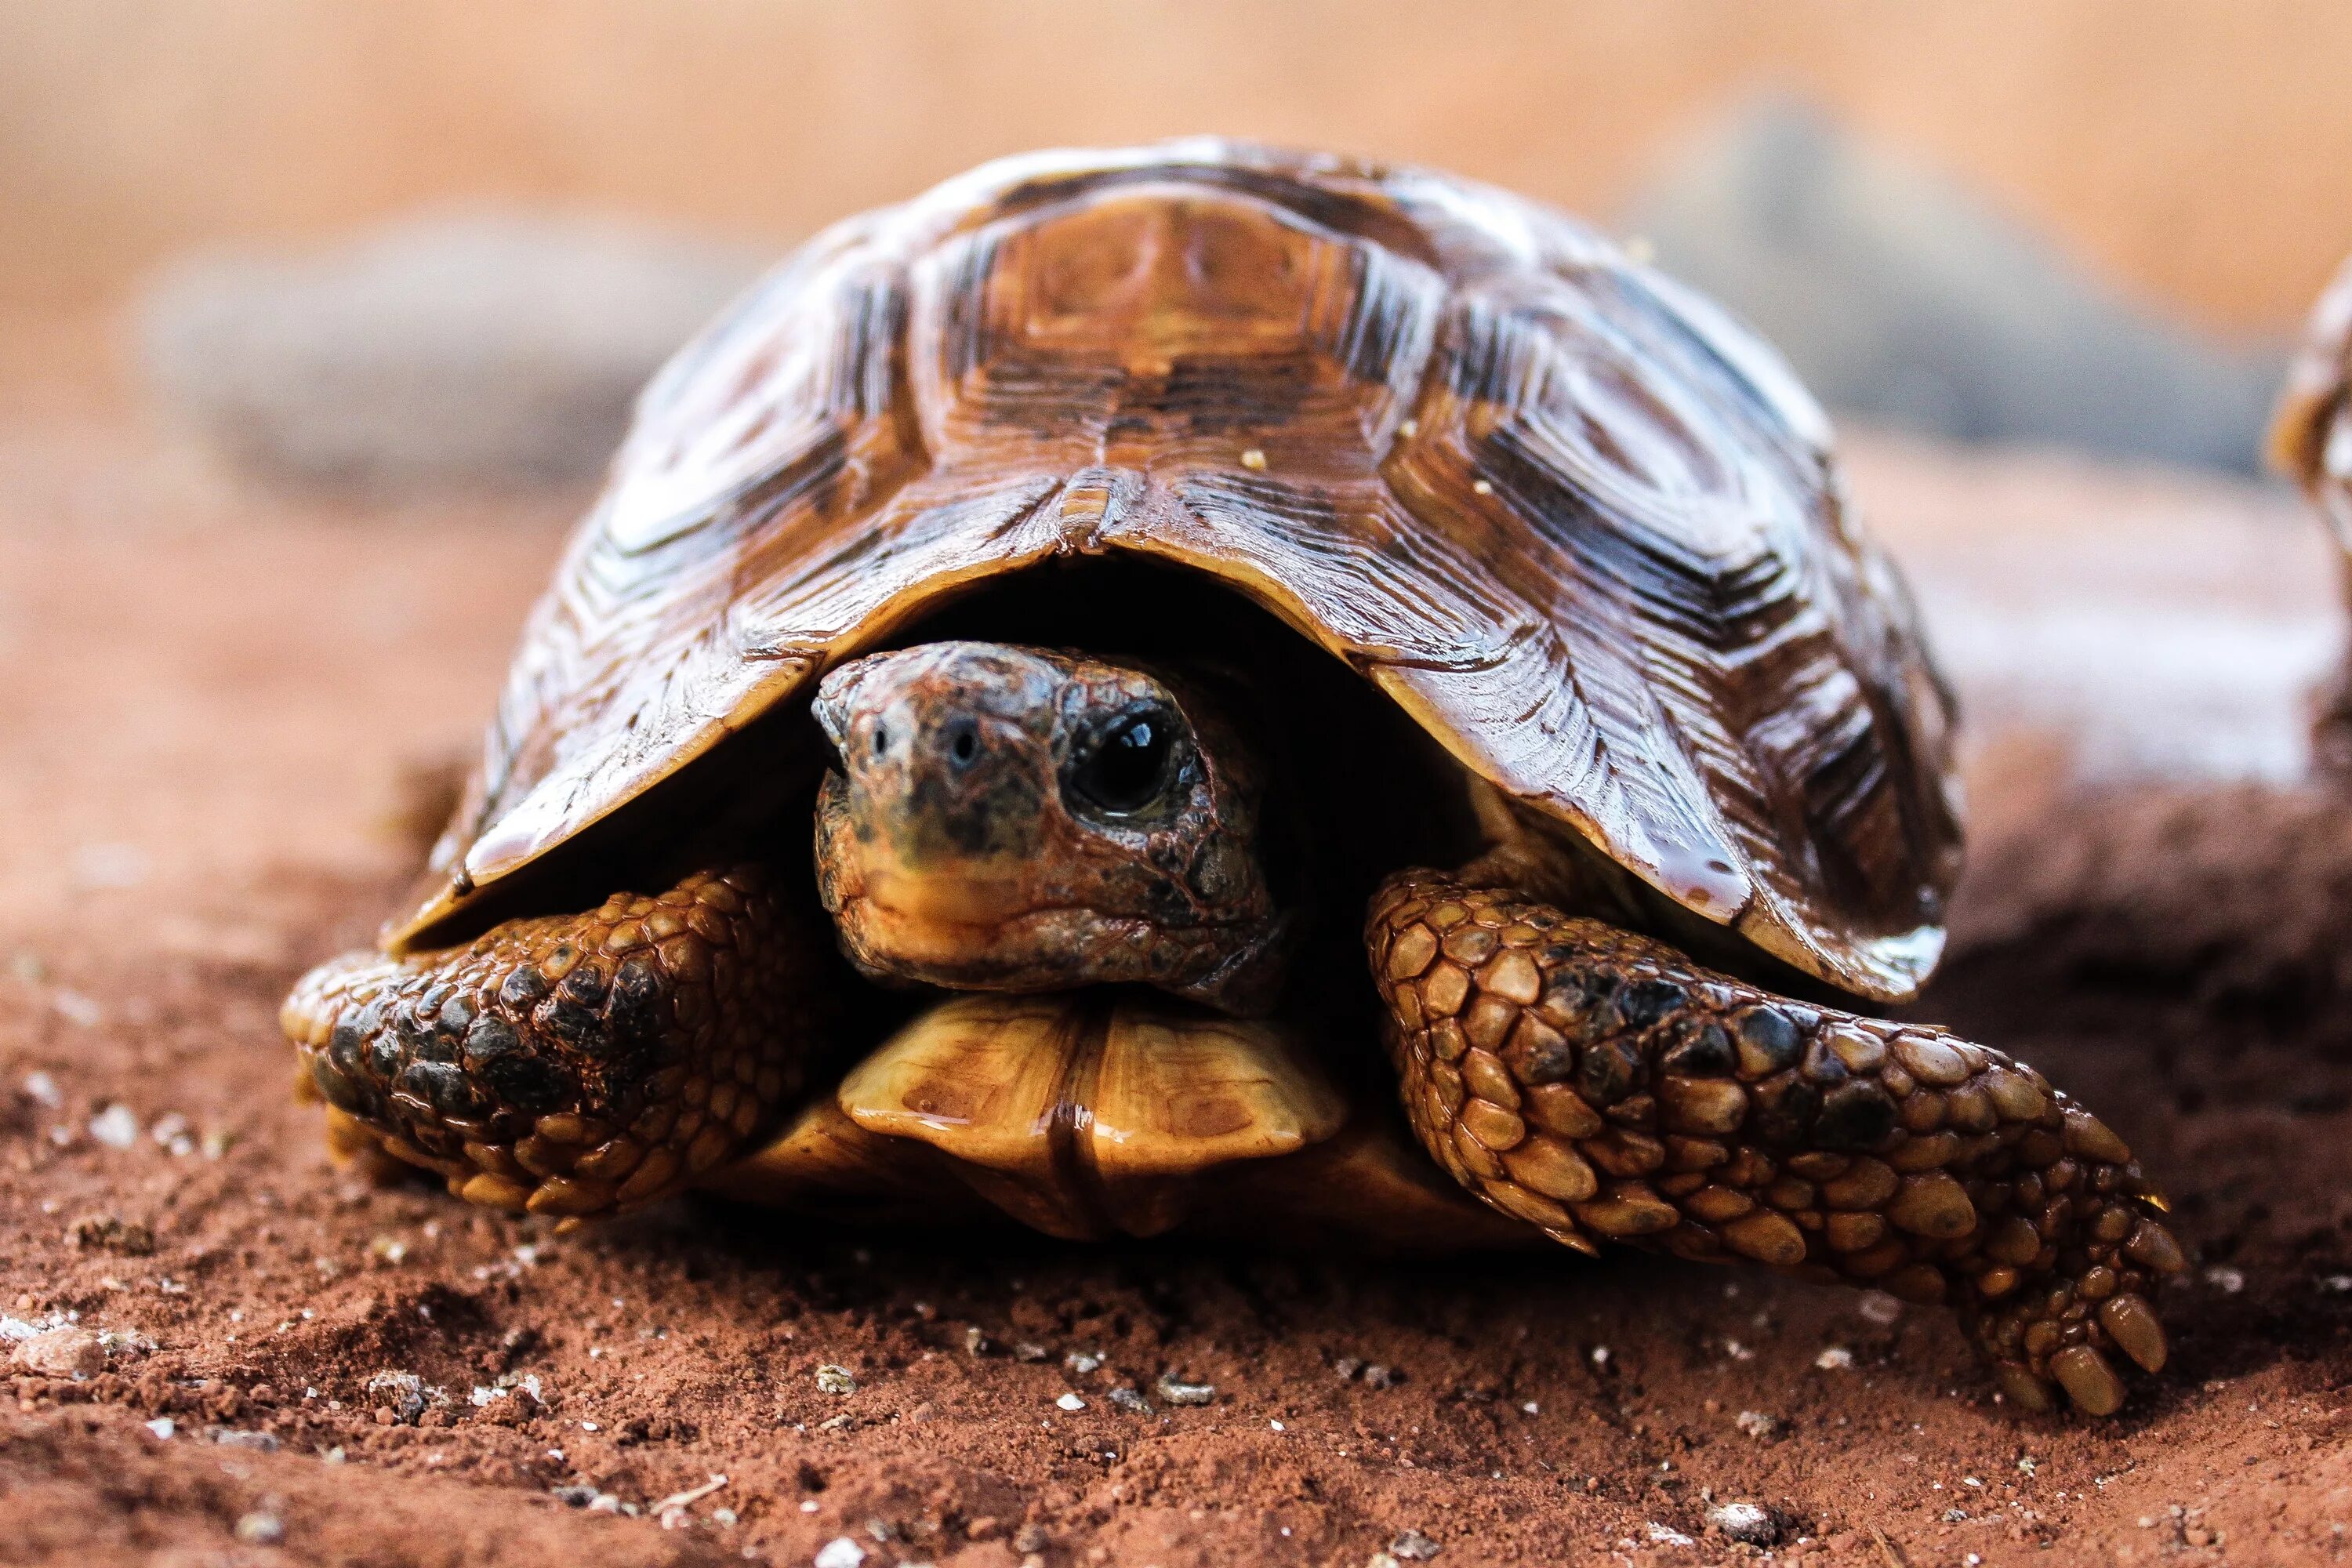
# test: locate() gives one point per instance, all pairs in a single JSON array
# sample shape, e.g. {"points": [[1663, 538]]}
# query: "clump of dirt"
{"points": [[222, 1349]]}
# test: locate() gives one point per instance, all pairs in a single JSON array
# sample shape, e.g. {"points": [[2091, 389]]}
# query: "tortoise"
{"points": [[1337, 708], [2310, 443]]}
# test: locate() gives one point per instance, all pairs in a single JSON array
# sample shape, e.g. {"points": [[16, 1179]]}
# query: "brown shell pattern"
{"points": [[1581, 525]]}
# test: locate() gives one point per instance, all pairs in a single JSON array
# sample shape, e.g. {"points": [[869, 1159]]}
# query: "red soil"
{"points": [[210, 700]]}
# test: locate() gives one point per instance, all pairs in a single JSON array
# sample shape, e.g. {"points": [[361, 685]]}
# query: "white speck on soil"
{"points": [[116, 1127], [840, 1552]]}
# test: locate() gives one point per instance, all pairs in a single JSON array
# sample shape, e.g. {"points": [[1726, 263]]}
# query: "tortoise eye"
{"points": [[1130, 766]]}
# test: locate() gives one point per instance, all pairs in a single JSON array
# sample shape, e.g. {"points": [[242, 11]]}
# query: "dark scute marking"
{"points": [[584, 987], [414, 1032], [1564, 1002], [384, 1055], [339, 1090], [1607, 1070], [455, 1016], [489, 1039], [1598, 1011], [1704, 1051], [1532, 1062], [1785, 1108], [347, 1047], [529, 1083], [636, 1011], [1821, 1063], [1769, 1032], [1855, 1115], [442, 1087], [576, 1025], [526, 988], [1645, 1002]]}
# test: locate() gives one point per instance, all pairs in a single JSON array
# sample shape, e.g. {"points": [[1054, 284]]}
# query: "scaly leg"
{"points": [[574, 1064], [1596, 1083]]}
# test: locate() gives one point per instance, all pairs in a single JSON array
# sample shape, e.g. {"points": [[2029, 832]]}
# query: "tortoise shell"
{"points": [[1580, 525]]}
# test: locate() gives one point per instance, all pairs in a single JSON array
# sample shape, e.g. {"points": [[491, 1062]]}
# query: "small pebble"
{"points": [[115, 1126], [1759, 1426], [162, 1426], [259, 1529], [1837, 1357], [831, 1379], [1880, 1308], [1746, 1521], [43, 1090], [1129, 1400], [1412, 1546], [62, 1353], [841, 1551], [1070, 1402], [1176, 1391]]}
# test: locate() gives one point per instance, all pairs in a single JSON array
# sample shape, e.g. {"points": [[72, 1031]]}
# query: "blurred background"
{"points": [[347, 303], [2166, 182]]}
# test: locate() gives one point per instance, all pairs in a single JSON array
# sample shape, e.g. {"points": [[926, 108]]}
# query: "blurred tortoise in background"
{"points": [[1147, 565], [2310, 443]]}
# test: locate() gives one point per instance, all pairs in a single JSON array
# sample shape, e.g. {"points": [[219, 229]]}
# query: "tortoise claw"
{"points": [[2089, 1381], [2132, 1323]]}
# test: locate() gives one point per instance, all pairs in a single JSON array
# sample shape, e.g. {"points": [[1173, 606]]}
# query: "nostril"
{"points": [[881, 741], [963, 741]]}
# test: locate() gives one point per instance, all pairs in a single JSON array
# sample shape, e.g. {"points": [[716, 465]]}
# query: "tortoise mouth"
{"points": [[1110, 1111]]}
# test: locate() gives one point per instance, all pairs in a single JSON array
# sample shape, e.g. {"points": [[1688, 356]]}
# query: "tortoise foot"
{"points": [[1602, 1087], [570, 1064]]}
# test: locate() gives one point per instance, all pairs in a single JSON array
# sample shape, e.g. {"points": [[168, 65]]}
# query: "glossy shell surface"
{"points": [[1582, 526]]}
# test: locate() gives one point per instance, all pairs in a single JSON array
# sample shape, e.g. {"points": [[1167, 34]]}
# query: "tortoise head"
{"points": [[1012, 819]]}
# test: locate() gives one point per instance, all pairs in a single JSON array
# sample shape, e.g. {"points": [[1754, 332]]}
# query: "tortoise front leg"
{"points": [[1596, 1083], [572, 1064]]}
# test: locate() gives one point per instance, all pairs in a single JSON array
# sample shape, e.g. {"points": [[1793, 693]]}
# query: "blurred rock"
{"points": [[2107, 622], [463, 350], [1899, 295]]}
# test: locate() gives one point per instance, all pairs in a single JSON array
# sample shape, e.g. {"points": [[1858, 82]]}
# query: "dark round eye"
{"points": [[1129, 767]]}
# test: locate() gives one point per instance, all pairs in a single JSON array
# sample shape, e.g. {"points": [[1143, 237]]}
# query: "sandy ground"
{"points": [[212, 700]]}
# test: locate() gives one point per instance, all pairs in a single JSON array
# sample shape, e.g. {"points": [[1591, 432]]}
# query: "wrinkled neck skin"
{"points": [[1016, 819]]}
